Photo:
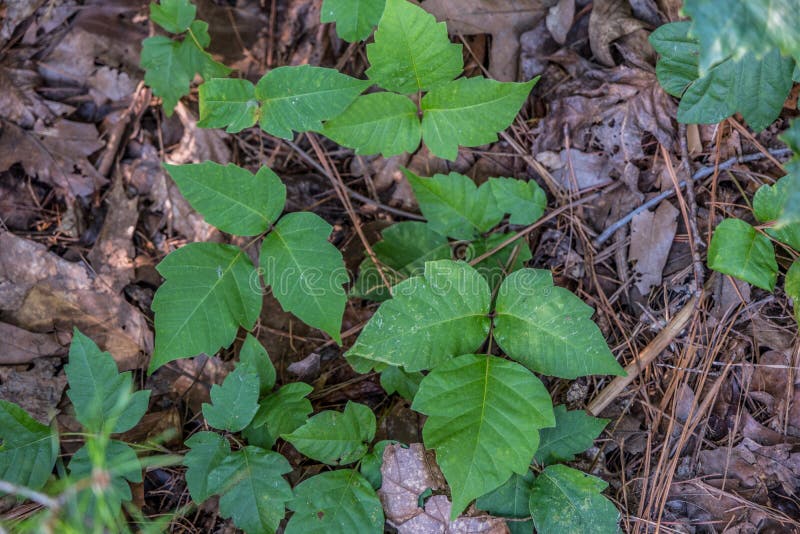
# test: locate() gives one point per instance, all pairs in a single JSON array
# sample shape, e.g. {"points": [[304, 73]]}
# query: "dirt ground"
{"points": [[705, 436]]}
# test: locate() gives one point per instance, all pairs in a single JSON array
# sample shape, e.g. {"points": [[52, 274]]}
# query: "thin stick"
{"points": [[699, 175], [645, 357]]}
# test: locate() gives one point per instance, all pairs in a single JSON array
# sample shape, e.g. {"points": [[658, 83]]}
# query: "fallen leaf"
{"points": [[407, 473], [652, 233], [15, 12], [21, 346], [504, 20], [559, 19], [199, 144], [41, 292], [38, 390], [610, 20]]}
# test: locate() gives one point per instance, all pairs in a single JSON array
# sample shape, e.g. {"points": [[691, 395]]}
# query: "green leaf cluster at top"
{"points": [[747, 252], [211, 289], [753, 84], [105, 404], [411, 55], [171, 64], [454, 208]]}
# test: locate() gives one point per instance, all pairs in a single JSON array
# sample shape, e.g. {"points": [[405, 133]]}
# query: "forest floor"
{"points": [[705, 436]]}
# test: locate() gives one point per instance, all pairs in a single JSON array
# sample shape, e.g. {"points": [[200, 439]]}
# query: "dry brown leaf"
{"points": [[199, 144], [15, 12], [407, 474], [652, 233], [19, 103], [610, 20], [21, 346], [559, 19], [504, 20], [55, 154], [37, 390], [42, 292]]}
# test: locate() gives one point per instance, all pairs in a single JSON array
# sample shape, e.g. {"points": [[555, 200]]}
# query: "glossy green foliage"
{"points": [[228, 103], [207, 450], [209, 291], [255, 355], [737, 28], [335, 501], [279, 413], [741, 251], [103, 397], [430, 319], [371, 463], [336, 438], [792, 287], [754, 86], [511, 500], [306, 272], [354, 19], [230, 197], [171, 64], [563, 500], [548, 329], [28, 449], [768, 205], [235, 402], [574, 432], [252, 488], [396, 380], [412, 51], [484, 414]]}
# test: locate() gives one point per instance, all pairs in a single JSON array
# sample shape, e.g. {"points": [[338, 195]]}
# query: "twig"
{"points": [[695, 240], [358, 196], [35, 496], [699, 175], [645, 357]]}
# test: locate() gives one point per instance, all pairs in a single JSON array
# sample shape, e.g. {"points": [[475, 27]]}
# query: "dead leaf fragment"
{"points": [[37, 390], [407, 474], [42, 292], [559, 19], [652, 233], [610, 20], [21, 346]]}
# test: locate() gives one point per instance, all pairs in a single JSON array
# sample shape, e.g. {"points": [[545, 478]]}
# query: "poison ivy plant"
{"points": [[235, 402], [567, 500], [754, 86], [281, 412], [336, 438], [170, 65], [573, 433], [28, 449], [354, 19], [211, 289], [511, 500]]}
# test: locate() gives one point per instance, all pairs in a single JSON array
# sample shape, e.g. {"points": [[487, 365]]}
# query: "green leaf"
{"points": [[335, 501], [469, 112], [737, 28], [792, 287], [254, 492], [454, 205], [281, 412], [395, 379], [755, 88], [412, 51], [484, 414], [575, 431], [207, 450], [524, 201], [164, 72], [121, 464], [496, 267], [228, 103], [235, 402], [548, 329], [739, 250], [171, 65], [230, 197], [209, 291], [677, 67], [175, 16], [254, 354], [377, 123], [305, 271], [790, 214], [511, 500], [371, 463], [430, 319], [354, 18], [300, 98], [336, 438], [566, 500], [768, 204], [403, 251], [28, 449], [103, 397]]}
